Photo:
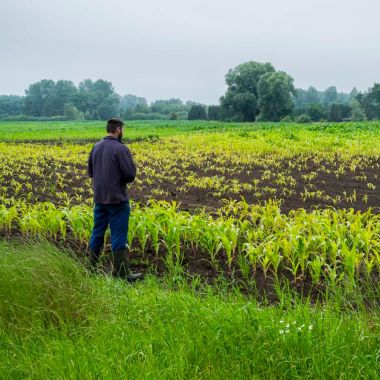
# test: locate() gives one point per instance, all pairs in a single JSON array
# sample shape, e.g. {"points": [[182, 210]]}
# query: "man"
{"points": [[111, 166]]}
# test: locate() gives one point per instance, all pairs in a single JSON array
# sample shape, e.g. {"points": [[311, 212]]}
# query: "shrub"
{"points": [[303, 119]]}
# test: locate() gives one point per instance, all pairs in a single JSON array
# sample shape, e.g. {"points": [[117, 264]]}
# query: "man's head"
{"points": [[115, 127]]}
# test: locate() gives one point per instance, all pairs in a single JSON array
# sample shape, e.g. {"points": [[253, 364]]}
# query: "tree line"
{"points": [[255, 92]]}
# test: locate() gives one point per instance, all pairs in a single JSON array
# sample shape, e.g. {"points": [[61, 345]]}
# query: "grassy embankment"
{"points": [[57, 321]]}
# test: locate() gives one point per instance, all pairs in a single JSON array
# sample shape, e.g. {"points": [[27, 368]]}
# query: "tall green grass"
{"points": [[58, 321]]}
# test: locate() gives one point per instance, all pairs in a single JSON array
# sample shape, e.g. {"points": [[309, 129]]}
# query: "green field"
{"points": [[260, 244]]}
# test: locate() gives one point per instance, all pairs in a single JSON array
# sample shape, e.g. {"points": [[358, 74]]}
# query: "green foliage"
{"points": [[286, 119], [197, 112], [47, 98], [316, 112], [256, 87], [130, 102], [357, 113], [339, 112], [166, 107], [275, 91], [370, 102], [303, 99], [98, 98], [11, 105], [303, 119], [330, 95], [213, 112], [240, 100], [71, 112]]}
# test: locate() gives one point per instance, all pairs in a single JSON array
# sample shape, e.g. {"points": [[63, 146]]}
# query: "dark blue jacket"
{"points": [[111, 166]]}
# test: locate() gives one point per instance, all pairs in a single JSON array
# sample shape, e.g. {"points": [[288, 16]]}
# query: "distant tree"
{"points": [[286, 119], [197, 112], [173, 116], [370, 102], [99, 98], [11, 105], [72, 113], [357, 113], [240, 106], [353, 94], [312, 96], [166, 107], [130, 104], [241, 98], [303, 119], [339, 111], [330, 95], [316, 112], [39, 98], [213, 112], [275, 90], [64, 92]]}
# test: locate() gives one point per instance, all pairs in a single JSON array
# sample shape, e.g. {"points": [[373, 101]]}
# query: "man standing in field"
{"points": [[111, 166]]}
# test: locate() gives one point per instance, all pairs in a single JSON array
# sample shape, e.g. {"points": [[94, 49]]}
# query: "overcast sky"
{"points": [[176, 48]]}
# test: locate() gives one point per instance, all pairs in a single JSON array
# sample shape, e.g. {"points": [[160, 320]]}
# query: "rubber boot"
{"points": [[121, 267]]}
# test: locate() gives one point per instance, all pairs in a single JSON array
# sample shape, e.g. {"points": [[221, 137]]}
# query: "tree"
{"points": [[330, 95], [303, 119], [11, 105], [72, 113], [370, 102], [275, 90], [339, 111], [213, 112], [38, 99], [312, 96], [64, 92], [132, 103], [357, 113], [166, 107], [240, 99], [353, 94], [316, 112], [47, 98], [99, 98], [197, 112]]}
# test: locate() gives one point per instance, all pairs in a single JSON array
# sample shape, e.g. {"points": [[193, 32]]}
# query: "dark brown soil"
{"points": [[78, 187]]}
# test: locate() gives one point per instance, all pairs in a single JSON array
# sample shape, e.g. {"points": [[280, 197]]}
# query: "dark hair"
{"points": [[113, 124]]}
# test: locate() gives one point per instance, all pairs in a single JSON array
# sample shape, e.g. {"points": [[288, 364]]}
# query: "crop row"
{"points": [[210, 164], [324, 245]]}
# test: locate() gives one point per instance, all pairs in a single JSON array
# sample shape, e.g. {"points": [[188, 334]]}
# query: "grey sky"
{"points": [[175, 48]]}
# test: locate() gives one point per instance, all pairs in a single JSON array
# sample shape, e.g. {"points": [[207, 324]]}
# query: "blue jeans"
{"points": [[117, 216]]}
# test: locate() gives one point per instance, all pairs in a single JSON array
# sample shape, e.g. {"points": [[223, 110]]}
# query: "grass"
{"points": [[58, 321]]}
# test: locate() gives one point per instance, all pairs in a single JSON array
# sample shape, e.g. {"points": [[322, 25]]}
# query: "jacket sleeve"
{"points": [[90, 169], [127, 166]]}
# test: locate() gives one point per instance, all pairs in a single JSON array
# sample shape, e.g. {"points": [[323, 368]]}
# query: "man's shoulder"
{"points": [[111, 143], [108, 141]]}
